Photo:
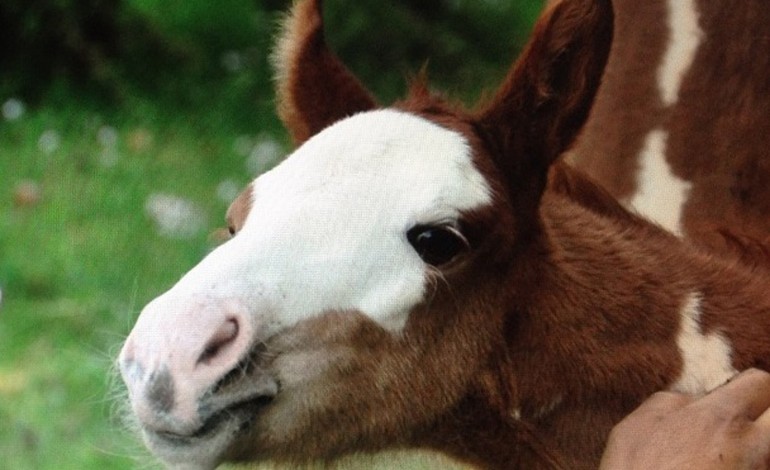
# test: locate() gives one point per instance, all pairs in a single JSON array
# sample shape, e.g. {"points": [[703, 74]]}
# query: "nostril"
{"points": [[223, 336]]}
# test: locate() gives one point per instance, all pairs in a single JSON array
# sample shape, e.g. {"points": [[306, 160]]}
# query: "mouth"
{"points": [[230, 407], [236, 417], [226, 414]]}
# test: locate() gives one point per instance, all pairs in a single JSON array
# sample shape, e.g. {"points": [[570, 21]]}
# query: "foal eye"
{"points": [[436, 245]]}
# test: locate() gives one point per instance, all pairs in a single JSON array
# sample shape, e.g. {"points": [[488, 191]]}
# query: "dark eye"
{"points": [[436, 245]]}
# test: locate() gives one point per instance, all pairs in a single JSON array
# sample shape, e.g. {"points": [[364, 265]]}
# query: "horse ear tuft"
{"points": [[546, 97], [313, 88]]}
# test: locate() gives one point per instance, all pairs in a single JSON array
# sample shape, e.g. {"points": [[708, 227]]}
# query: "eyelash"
{"points": [[437, 245]]}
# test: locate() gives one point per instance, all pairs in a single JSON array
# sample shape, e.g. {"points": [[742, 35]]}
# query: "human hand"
{"points": [[728, 428]]}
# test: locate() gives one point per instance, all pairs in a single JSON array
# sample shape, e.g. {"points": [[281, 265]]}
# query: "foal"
{"points": [[409, 278]]}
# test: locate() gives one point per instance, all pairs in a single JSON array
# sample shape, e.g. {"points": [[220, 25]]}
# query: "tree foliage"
{"points": [[88, 43], [466, 45], [157, 45]]}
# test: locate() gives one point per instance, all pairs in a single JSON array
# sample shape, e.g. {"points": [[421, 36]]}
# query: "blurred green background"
{"points": [[126, 127]]}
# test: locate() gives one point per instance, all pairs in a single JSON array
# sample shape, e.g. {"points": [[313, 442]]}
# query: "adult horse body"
{"points": [[678, 129], [428, 277]]}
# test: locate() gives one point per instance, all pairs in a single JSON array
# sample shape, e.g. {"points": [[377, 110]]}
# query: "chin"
{"points": [[217, 441]]}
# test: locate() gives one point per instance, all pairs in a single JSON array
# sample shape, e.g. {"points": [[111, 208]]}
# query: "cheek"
{"points": [[313, 373], [324, 365], [329, 347]]}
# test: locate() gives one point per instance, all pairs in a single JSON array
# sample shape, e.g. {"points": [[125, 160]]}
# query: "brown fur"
{"points": [[561, 318], [314, 88], [715, 138]]}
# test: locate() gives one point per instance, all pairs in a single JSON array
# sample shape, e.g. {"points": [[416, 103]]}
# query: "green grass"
{"points": [[76, 266]]}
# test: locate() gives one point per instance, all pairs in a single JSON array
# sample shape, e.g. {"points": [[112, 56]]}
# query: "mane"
{"points": [[580, 188], [583, 190], [424, 101]]}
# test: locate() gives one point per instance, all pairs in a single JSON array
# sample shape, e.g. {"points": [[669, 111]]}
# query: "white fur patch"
{"points": [[327, 227], [660, 195], [685, 36], [706, 359]]}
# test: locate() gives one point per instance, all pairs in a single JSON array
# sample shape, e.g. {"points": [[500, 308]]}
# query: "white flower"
{"points": [[228, 190], [175, 217], [107, 136], [266, 152], [13, 109], [49, 141]]}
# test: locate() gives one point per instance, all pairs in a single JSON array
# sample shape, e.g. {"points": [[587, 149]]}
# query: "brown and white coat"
{"points": [[679, 129], [423, 276]]}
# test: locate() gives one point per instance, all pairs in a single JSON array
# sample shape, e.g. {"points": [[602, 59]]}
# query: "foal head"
{"points": [[362, 294]]}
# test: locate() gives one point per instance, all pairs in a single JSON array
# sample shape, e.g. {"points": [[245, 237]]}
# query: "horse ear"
{"points": [[546, 96], [314, 88]]}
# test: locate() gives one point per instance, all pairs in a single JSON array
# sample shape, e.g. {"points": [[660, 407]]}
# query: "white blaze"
{"points": [[327, 227]]}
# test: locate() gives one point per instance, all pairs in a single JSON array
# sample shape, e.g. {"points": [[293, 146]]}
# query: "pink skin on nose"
{"points": [[176, 353]]}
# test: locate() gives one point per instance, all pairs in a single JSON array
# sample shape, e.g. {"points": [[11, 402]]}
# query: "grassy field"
{"points": [[87, 190], [81, 252], [102, 207]]}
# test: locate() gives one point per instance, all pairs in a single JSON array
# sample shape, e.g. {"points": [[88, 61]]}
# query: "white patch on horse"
{"points": [[685, 36], [327, 227], [706, 359], [660, 195]]}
